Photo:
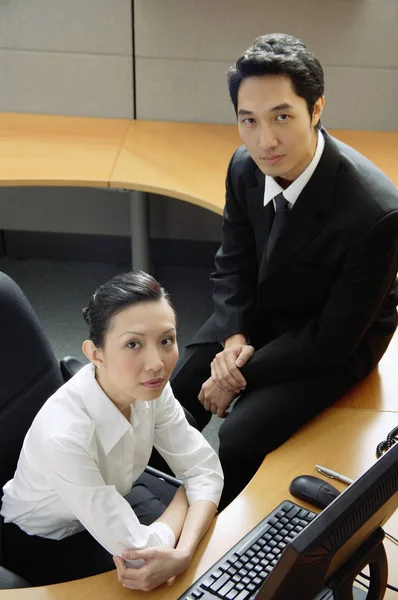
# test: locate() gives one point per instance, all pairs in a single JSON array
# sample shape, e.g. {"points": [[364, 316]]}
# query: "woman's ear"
{"points": [[93, 354]]}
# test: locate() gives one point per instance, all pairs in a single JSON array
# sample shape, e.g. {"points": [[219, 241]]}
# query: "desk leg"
{"points": [[139, 219]]}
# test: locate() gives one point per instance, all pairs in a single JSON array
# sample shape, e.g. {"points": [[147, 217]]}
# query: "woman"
{"points": [[71, 506]]}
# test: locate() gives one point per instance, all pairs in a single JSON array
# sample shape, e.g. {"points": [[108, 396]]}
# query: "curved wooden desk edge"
{"points": [[170, 193], [75, 183]]}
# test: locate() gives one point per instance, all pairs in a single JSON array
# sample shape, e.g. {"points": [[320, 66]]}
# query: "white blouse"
{"points": [[81, 456]]}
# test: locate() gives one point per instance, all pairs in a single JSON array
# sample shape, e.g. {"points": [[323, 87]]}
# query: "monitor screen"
{"points": [[316, 554]]}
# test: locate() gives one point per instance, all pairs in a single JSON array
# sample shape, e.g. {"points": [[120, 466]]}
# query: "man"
{"points": [[304, 288]]}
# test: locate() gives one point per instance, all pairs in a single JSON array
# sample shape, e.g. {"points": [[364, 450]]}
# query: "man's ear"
{"points": [[93, 354], [317, 112]]}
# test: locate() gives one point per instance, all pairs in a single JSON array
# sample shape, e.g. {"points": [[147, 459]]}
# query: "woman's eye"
{"points": [[133, 345], [167, 341]]}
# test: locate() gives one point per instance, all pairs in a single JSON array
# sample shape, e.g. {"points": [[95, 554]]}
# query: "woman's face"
{"points": [[139, 353]]}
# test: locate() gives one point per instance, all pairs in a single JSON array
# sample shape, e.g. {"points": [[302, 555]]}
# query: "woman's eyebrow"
{"points": [[144, 334]]}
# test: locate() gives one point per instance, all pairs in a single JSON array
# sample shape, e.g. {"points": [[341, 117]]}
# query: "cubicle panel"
{"points": [[71, 58], [183, 51]]}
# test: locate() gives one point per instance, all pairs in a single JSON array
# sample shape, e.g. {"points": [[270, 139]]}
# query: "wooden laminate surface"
{"points": [[379, 390], [343, 439], [187, 161], [42, 150]]}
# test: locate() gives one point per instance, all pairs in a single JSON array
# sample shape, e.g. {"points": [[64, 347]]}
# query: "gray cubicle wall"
{"points": [[76, 58]]}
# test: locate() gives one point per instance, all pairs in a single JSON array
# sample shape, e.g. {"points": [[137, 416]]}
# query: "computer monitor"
{"points": [[336, 539]]}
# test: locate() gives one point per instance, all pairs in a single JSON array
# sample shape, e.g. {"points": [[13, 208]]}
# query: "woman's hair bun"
{"points": [[85, 315]]}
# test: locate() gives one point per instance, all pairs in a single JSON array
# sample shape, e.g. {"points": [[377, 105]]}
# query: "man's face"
{"points": [[275, 126]]}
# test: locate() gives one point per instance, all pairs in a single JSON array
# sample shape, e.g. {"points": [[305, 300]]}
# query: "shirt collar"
{"points": [[291, 193], [110, 424]]}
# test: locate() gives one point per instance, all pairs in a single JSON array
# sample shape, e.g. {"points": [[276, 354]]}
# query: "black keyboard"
{"points": [[240, 573]]}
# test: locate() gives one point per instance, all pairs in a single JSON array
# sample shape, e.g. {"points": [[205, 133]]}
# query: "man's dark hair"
{"points": [[115, 295], [279, 54]]}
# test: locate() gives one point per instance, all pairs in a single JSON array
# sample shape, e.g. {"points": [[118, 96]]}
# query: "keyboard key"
{"points": [[293, 512], [225, 589], [243, 595], [231, 594], [302, 513], [257, 581], [310, 517], [245, 558], [216, 585], [268, 568], [197, 594], [282, 545], [256, 547]]}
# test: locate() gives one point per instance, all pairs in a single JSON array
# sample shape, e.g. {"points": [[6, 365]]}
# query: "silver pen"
{"points": [[333, 474]]}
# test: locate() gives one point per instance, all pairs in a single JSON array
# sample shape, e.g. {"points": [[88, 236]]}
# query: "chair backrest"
{"points": [[29, 373]]}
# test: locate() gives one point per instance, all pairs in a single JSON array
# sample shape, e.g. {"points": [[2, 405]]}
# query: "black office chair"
{"points": [[29, 374]]}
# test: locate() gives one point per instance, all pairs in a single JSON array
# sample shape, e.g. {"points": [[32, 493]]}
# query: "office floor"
{"points": [[58, 290]]}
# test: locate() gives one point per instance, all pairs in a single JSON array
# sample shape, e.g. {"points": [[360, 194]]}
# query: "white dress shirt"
{"points": [[291, 193], [81, 456]]}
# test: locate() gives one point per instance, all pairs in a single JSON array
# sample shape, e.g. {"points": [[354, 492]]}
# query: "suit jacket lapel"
{"points": [[308, 212], [261, 216]]}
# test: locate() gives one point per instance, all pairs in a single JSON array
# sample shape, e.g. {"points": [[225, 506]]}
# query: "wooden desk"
{"points": [[187, 161], [343, 439], [42, 150], [378, 391]]}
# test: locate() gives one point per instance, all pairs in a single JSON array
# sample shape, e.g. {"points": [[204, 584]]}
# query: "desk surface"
{"points": [[379, 390], [42, 150], [187, 161], [343, 439]]}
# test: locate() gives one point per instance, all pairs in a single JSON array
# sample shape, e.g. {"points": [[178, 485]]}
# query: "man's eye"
{"points": [[167, 341], [248, 121], [133, 345], [282, 118]]}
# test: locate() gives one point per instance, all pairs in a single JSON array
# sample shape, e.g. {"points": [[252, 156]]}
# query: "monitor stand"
{"points": [[357, 594], [341, 585]]}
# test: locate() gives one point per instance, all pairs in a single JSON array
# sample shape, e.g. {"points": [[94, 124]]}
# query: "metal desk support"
{"points": [[139, 219]]}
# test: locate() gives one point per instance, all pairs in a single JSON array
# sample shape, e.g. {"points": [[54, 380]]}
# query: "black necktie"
{"points": [[279, 223]]}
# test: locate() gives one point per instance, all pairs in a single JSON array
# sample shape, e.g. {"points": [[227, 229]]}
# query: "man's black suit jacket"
{"points": [[326, 295]]}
